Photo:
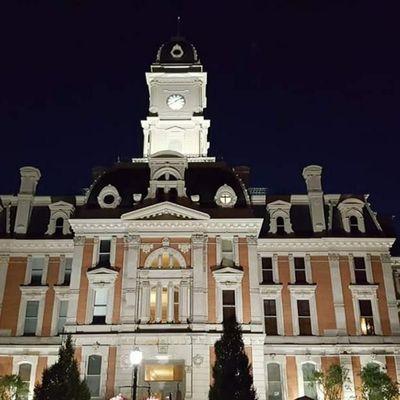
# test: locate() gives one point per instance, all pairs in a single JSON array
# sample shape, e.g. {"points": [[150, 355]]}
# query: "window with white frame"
{"points": [[280, 226], [37, 270], [62, 315], [360, 270], [100, 306], [366, 317], [67, 272], [310, 388], [300, 270], [274, 378], [303, 311], [104, 252], [24, 372], [227, 254], [31, 317], [353, 224], [270, 317], [351, 211], [267, 270], [93, 375], [228, 305], [176, 304]]}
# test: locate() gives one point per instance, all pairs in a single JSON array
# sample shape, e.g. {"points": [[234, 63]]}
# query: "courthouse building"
{"points": [[162, 248]]}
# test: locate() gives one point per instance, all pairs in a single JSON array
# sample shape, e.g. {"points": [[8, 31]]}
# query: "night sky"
{"points": [[290, 83]]}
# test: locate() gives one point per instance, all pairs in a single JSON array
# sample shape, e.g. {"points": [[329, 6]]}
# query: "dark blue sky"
{"points": [[290, 83]]}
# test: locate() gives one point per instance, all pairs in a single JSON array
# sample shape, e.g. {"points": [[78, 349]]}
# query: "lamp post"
{"points": [[135, 358]]}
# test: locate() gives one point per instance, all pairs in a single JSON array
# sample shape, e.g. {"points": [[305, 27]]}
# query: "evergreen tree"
{"points": [[232, 370], [61, 381]]}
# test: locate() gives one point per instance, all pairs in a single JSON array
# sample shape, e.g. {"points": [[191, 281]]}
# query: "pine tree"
{"points": [[232, 371], [61, 381]]}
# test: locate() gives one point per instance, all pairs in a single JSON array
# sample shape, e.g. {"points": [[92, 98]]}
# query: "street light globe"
{"points": [[135, 356]]}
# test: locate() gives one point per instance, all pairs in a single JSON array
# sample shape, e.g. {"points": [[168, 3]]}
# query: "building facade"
{"points": [[162, 248]]}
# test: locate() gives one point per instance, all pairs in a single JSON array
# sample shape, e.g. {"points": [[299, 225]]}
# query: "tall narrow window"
{"points": [[104, 253], [280, 226], [100, 306], [227, 253], [366, 317], [93, 376], [176, 305], [67, 271], [228, 304], [353, 222], [164, 304], [300, 270], [59, 226], [267, 270], [31, 318], [62, 315], [303, 310], [270, 321], [360, 271], [153, 304], [37, 265], [24, 372], [310, 388], [274, 382]]}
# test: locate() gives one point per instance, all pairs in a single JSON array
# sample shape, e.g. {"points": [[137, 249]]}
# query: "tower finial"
{"points": [[178, 26]]}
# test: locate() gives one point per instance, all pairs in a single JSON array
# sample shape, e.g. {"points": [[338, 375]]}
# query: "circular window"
{"points": [[109, 197], [225, 196]]}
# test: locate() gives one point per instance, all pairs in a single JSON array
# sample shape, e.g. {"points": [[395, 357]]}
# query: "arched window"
{"points": [[274, 391], [24, 373], [310, 388], [280, 226], [353, 222], [59, 226], [93, 376], [176, 304], [165, 258]]}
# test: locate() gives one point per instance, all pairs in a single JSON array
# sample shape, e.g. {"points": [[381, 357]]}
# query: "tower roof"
{"points": [[177, 51]]}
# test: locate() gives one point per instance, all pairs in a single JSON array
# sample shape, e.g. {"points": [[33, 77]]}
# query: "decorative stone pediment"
{"points": [[165, 210], [101, 277], [228, 276]]}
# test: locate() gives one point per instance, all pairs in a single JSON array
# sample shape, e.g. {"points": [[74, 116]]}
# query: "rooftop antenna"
{"points": [[178, 26]]}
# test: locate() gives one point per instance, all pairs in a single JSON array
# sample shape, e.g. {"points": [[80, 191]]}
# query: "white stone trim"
{"points": [[303, 292], [109, 190], [31, 293], [28, 271], [26, 359], [228, 279], [61, 293], [307, 266], [279, 208], [366, 292], [23, 247], [281, 361], [273, 292], [3, 277], [300, 360], [349, 391]]}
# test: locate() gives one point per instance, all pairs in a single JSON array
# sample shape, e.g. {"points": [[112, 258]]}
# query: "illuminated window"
{"points": [[165, 260], [366, 317], [164, 304], [93, 375], [310, 388], [153, 304], [274, 382], [24, 373], [227, 252], [163, 372], [100, 306], [176, 304]]}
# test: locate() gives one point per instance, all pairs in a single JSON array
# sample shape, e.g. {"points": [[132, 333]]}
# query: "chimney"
{"points": [[312, 176], [29, 179]]}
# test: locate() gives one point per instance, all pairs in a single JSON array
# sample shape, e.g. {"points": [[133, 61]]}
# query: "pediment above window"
{"points": [[165, 210], [228, 276], [101, 277]]}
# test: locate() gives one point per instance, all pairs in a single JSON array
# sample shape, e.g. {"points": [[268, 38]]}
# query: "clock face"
{"points": [[175, 102]]}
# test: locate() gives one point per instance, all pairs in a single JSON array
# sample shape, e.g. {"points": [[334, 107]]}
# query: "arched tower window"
{"points": [[59, 226], [280, 226], [353, 222]]}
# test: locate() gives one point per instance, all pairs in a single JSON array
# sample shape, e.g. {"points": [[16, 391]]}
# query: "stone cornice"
{"points": [[48, 246], [330, 244], [160, 227]]}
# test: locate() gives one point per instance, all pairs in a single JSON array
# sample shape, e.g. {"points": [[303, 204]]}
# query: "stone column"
{"points": [[200, 311], [79, 245], [144, 302], [390, 294], [184, 305], [349, 391], [256, 317], [159, 302], [3, 276], [337, 291], [129, 280]]}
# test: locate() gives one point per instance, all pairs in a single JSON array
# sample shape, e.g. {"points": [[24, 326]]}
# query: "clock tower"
{"points": [[177, 98]]}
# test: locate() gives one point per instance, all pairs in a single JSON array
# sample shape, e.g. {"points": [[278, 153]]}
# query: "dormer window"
{"points": [[60, 212], [225, 197], [279, 215], [109, 197], [351, 211], [59, 226]]}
